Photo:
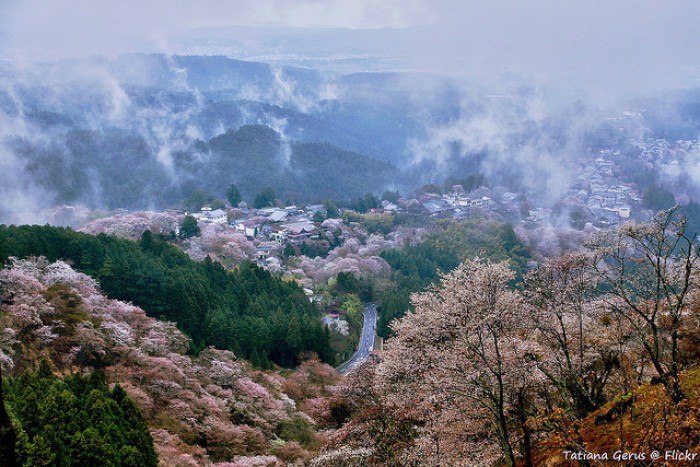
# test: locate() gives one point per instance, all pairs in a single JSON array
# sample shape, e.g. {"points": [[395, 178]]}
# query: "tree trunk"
{"points": [[527, 435]]}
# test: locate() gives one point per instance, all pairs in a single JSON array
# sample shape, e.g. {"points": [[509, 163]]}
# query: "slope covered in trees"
{"points": [[204, 409], [443, 249], [297, 171], [76, 421], [247, 311], [117, 168], [483, 373]]}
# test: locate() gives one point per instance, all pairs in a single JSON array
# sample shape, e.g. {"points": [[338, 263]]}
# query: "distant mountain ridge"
{"points": [[144, 131]]}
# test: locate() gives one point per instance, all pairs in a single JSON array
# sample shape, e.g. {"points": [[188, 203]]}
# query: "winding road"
{"points": [[369, 331]]}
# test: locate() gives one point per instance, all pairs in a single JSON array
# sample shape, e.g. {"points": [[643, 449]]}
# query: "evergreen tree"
{"points": [[8, 436], [232, 310], [189, 228], [265, 198], [76, 422], [289, 250], [233, 195], [332, 211]]}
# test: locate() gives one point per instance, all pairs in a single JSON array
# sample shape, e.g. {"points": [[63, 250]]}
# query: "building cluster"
{"points": [[270, 229], [596, 194], [602, 197]]}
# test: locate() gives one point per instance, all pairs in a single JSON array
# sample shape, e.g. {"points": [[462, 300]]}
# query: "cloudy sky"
{"points": [[613, 44]]}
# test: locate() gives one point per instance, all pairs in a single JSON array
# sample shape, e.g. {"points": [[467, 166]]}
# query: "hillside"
{"points": [[248, 311], [590, 353], [302, 172], [641, 425], [200, 410]]}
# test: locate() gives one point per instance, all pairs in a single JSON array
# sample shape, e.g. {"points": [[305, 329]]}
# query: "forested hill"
{"points": [[248, 311], [298, 171]]}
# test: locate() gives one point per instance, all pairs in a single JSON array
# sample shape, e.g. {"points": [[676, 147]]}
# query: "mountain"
{"points": [[144, 131]]}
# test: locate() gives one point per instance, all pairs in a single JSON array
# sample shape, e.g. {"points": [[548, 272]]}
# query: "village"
{"points": [[312, 244]]}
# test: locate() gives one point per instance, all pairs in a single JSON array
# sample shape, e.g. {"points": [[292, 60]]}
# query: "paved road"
{"points": [[369, 331]]}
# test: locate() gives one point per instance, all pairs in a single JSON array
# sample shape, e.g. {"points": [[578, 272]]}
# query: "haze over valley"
{"points": [[326, 233]]}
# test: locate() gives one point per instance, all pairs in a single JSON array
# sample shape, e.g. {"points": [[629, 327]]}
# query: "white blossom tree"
{"points": [[457, 364], [651, 274]]}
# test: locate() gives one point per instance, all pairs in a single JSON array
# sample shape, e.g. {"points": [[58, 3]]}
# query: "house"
{"points": [[294, 211], [247, 227], [483, 202], [389, 206], [622, 211], [300, 231], [605, 218], [262, 252], [278, 216], [436, 206], [277, 233], [207, 216]]}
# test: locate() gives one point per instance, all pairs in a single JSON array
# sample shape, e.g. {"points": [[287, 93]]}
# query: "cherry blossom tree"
{"points": [[456, 366], [651, 273], [214, 399], [580, 347]]}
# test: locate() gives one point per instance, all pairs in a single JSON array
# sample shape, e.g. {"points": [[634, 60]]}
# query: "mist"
{"points": [[604, 47], [507, 89]]}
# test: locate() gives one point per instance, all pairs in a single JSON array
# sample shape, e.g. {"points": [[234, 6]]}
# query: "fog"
{"points": [[629, 46], [546, 69]]}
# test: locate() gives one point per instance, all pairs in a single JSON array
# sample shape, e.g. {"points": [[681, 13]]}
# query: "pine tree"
{"points": [[8, 436]]}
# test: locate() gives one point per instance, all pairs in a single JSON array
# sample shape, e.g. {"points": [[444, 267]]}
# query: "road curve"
{"points": [[369, 331]]}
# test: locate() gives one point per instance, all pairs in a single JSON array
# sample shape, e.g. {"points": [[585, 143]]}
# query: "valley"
{"points": [[326, 235]]}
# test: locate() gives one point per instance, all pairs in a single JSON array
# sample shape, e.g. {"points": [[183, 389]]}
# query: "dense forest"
{"points": [[248, 311], [75, 421]]}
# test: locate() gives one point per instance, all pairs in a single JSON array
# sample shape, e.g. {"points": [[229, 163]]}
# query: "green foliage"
{"points": [[430, 188], [469, 183], [196, 200], [692, 212], [289, 251], [247, 310], [374, 223], [189, 228], [361, 204], [199, 198], [391, 196], [314, 248], [353, 306], [77, 421], [265, 198], [444, 249], [8, 435], [319, 217], [657, 198], [297, 429], [233, 195], [347, 282], [217, 204], [332, 211]]}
